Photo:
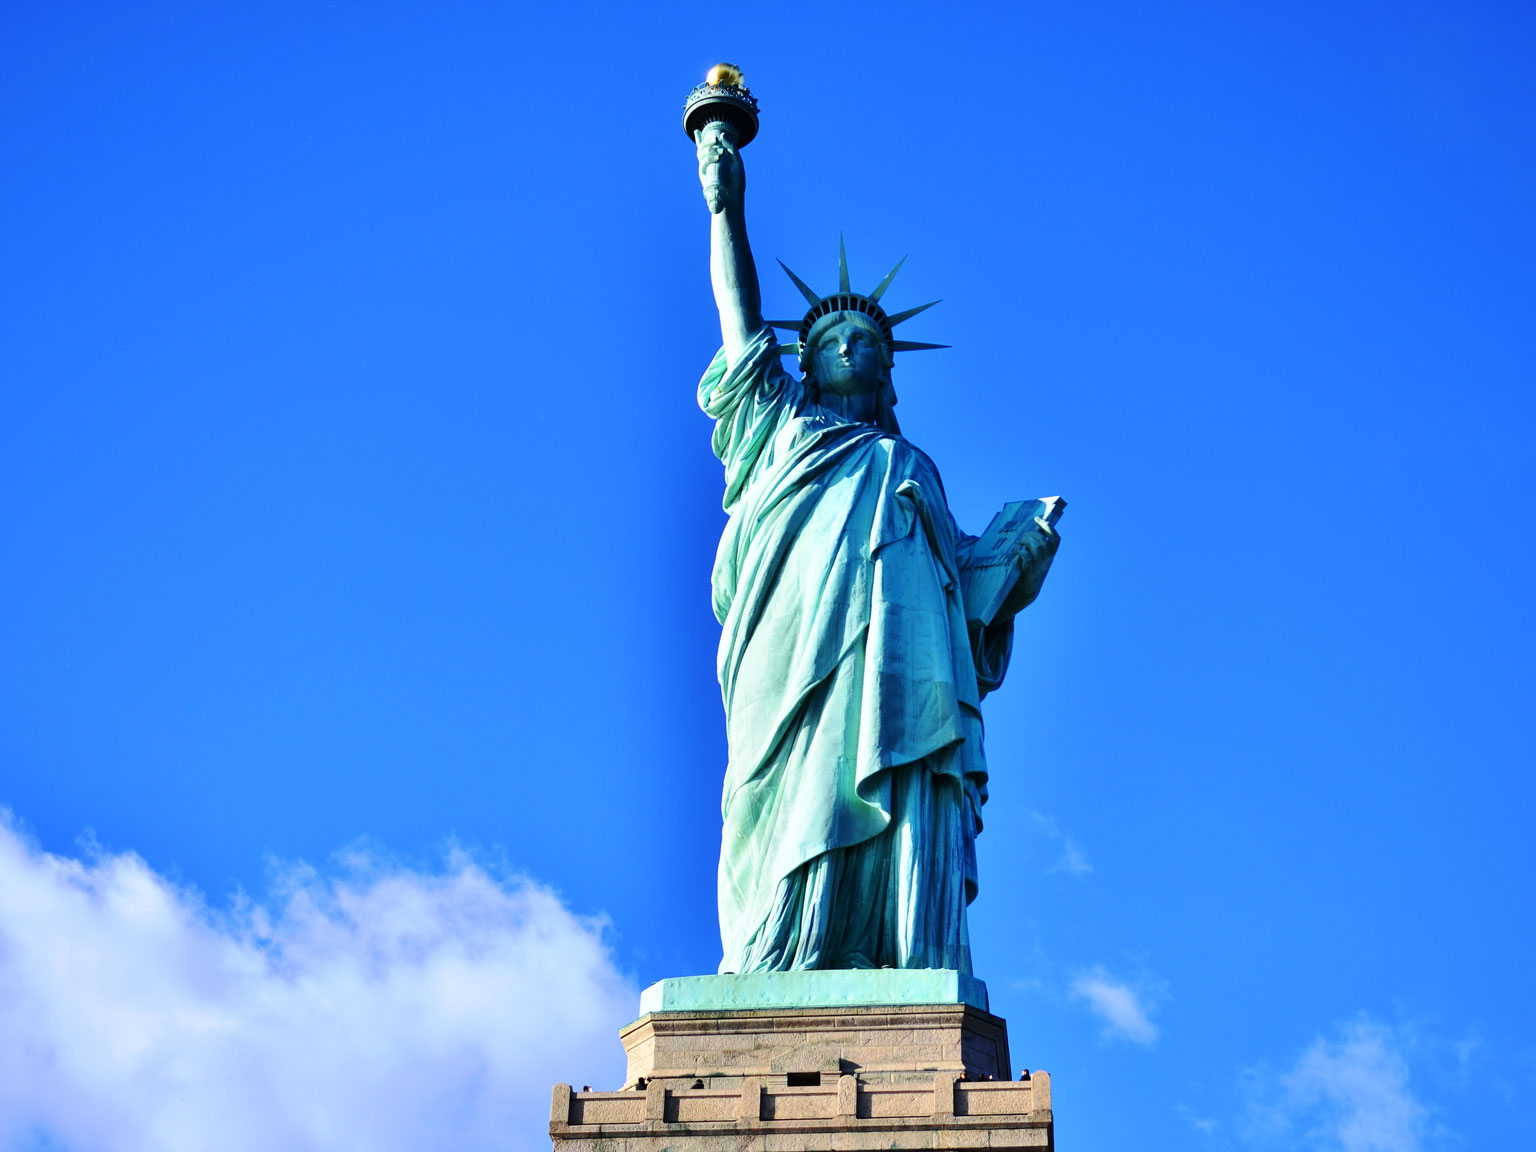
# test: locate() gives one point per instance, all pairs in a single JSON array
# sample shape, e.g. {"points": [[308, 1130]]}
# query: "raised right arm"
{"points": [[731, 268]]}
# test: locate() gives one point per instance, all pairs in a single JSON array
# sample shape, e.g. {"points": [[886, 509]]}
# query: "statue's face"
{"points": [[849, 358]]}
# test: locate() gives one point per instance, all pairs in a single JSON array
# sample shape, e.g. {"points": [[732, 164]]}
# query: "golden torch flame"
{"points": [[724, 76]]}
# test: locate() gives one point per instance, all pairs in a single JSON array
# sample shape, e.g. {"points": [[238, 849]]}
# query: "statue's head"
{"points": [[845, 344]]}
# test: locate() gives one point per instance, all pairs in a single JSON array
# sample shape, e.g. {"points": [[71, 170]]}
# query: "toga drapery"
{"points": [[852, 688]]}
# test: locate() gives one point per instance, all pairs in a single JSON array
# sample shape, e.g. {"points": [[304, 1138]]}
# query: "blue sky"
{"points": [[356, 518]]}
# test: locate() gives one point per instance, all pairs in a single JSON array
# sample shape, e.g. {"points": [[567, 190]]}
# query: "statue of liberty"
{"points": [[860, 627]]}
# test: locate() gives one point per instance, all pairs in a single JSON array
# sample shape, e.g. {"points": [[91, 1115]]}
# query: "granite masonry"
{"points": [[838, 1078]]}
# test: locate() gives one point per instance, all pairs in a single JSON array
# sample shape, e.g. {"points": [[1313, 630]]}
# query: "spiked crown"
{"points": [[847, 300]]}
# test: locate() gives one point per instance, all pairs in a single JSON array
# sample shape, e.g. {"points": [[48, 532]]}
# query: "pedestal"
{"points": [[795, 1075]]}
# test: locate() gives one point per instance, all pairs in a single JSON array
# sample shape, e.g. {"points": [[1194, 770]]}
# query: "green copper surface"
{"points": [[852, 666], [847, 988]]}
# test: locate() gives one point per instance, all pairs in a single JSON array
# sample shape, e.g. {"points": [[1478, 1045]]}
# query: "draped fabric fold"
{"points": [[856, 776]]}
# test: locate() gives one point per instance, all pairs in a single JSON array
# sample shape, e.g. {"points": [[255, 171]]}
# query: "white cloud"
{"points": [[1206, 1125], [1465, 1051], [1072, 860], [1124, 1009], [1348, 1091], [383, 1008]]}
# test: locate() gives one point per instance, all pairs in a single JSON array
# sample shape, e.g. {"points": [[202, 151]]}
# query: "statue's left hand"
{"points": [[1034, 562]]}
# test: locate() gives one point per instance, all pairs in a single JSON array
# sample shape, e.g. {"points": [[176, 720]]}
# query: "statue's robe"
{"points": [[852, 688]]}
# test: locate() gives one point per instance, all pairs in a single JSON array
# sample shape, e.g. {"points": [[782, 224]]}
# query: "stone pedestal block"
{"points": [[879, 1043], [863, 1078]]}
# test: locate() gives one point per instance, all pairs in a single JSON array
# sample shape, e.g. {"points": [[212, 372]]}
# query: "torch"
{"points": [[722, 99]]}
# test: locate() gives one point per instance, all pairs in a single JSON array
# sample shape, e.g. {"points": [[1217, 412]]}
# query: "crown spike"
{"points": [[787, 325], [790, 349], [886, 283], [913, 346], [811, 295], [911, 312], [842, 266]]}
